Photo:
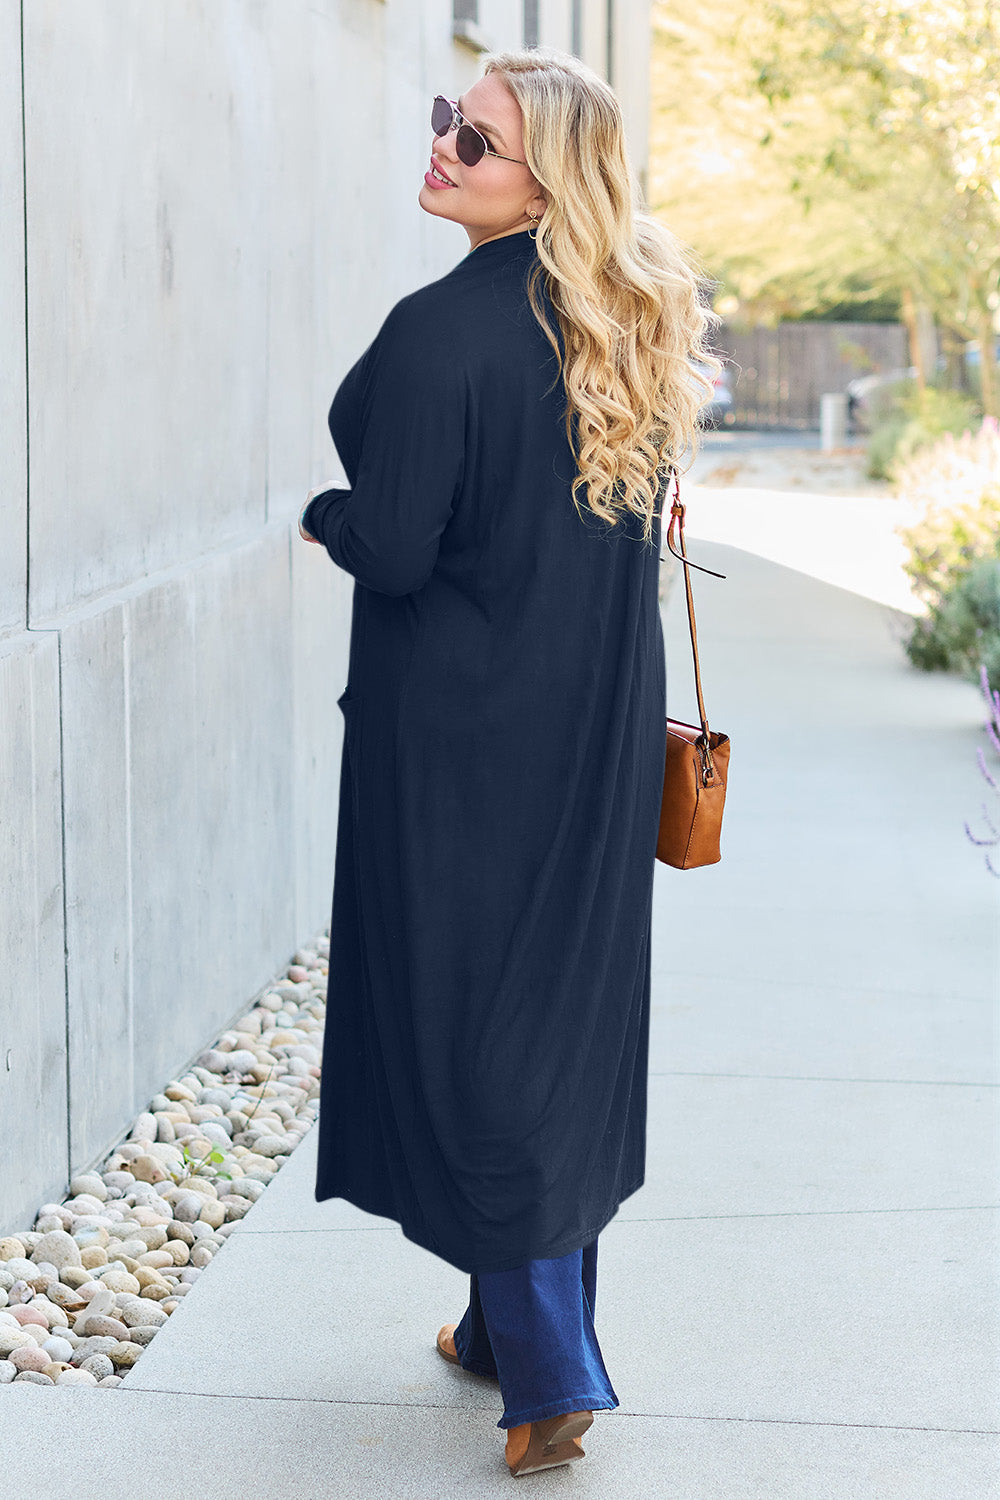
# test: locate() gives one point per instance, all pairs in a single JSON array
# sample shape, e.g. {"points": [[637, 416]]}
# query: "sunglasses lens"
{"points": [[468, 142], [469, 145]]}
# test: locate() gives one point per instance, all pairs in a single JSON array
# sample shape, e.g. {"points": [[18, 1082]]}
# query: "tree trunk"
{"points": [[989, 382], [922, 334], [957, 369], [908, 307]]}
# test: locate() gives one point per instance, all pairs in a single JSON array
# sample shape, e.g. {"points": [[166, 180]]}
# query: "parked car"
{"points": [[972, 358], [862, 392], [718, 410]]}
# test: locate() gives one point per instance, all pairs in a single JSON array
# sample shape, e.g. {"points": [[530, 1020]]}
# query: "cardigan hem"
{"points": [[576, 1241]]}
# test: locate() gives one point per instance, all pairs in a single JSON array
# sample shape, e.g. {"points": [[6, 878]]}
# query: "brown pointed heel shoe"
{"points": [[446, 1344], [547, 1444]]}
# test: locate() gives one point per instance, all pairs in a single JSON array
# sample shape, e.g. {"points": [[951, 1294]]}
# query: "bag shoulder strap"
{"points": [[677, 513]]}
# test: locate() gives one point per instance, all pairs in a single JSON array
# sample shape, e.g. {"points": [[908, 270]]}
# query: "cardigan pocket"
{"points": [[350, 755]]}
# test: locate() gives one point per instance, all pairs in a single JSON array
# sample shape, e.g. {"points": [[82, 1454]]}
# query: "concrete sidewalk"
{"points": [[801, 1302]]}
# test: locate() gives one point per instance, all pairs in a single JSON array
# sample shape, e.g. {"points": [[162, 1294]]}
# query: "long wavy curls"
{"points": [[624, 290]]}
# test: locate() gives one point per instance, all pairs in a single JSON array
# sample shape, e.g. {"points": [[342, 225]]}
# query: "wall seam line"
{"points": [[129, 916], [267, 391], [27, 384], [65, 909]]}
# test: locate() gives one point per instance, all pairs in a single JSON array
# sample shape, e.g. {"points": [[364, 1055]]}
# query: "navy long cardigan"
{"points": [[486, 1047]]}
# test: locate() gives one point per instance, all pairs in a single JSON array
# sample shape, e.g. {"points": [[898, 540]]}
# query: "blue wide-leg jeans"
{"points": [[532, 1329]]}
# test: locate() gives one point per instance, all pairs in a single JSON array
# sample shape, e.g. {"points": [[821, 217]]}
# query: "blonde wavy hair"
{"points": [[624, 290]]}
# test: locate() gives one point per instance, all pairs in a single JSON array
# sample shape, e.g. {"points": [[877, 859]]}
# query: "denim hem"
{"points": [[556, 1409], [474, 1366]]}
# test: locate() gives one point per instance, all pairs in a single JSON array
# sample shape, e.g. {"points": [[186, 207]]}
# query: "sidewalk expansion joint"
{"points": [[793, 1213], [247, 1230], [937, 1083], [655, 1416]]}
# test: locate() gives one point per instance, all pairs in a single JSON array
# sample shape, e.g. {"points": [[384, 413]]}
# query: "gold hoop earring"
{"points": [[537, 223]]}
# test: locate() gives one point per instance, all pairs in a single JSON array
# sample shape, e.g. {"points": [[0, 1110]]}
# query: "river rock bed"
{"points": [[87, 1288]]}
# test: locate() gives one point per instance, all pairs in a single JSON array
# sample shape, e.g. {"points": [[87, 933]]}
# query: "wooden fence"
{"points": [[777, 375]]}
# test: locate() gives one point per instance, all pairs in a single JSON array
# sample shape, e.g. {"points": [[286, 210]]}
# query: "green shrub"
{"points": [[954, 551], [906, 420], [886, 421], [962, 632], [989, 819]]}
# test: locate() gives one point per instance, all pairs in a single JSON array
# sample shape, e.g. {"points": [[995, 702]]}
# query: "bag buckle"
{"points": [[708, 771]]}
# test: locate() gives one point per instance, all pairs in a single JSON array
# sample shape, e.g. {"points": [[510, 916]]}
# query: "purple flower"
{"points": [[992, 727]]}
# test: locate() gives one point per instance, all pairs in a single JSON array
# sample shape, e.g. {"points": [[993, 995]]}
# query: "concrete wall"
{"points": [[206, 208]]}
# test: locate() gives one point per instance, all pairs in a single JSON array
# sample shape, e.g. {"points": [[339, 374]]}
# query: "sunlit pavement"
{"points": [[799, 518], [824, 1033]]}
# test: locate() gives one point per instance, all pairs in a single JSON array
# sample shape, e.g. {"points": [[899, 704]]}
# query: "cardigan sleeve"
{"points": [[385, 530]]}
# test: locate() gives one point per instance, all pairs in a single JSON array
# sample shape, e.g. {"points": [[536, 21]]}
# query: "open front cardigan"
{"points": [[485, 1057]]}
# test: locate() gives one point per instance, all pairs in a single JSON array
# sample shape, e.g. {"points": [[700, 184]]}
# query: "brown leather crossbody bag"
{"points": [[696, 767]]}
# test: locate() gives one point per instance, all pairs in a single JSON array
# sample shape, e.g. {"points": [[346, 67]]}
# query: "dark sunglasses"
{"points": [[469, 144]]}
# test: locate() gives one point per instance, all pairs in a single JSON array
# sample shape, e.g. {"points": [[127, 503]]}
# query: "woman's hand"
{"points": [[305, 535]]}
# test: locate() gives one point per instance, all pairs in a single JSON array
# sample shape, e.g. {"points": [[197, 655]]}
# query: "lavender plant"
{"points": [[992, 840]]}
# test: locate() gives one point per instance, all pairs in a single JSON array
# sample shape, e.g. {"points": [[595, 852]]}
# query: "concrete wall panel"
{"points": [[169, 980], [556, 23], [147, 244], [98, 927], [352, 172], [210, 790], [321, 615], [631, 28], [245, 832], [33, 1105], [13, 390], [293, 212]]}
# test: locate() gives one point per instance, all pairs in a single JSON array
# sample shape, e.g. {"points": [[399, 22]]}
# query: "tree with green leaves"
{"points": [[830, 142]]}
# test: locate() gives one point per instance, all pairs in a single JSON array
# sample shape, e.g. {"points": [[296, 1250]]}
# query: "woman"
{"points": [[506, 437]]}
